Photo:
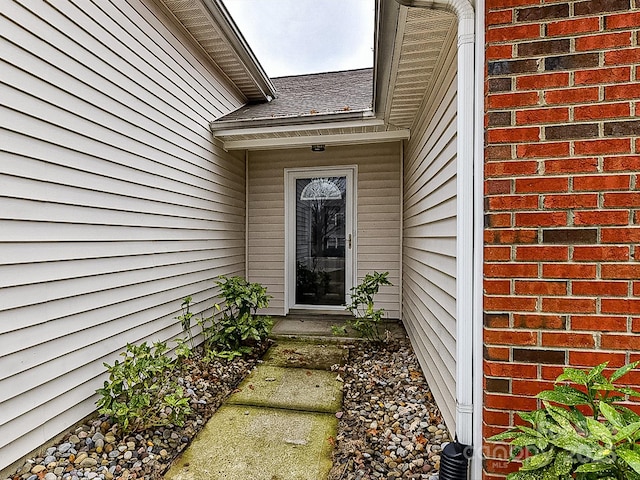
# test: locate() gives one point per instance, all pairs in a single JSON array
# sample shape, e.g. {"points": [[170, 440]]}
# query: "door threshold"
{"points": [[296, 311]]}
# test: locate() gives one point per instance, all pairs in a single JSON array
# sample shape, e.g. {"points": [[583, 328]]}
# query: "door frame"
{"points": [[350, 254]]}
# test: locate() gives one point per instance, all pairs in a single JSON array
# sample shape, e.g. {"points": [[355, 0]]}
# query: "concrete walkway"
{"points": [[279, 425]]}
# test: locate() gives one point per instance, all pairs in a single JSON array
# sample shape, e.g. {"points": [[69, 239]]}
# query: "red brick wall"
{"points": [[562, 186]]}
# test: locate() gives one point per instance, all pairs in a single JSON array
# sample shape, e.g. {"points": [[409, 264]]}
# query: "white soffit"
{"points": [[208, 22], [421, 37]]}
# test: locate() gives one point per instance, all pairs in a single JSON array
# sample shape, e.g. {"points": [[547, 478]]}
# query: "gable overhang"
{"points": [[213, 29]]}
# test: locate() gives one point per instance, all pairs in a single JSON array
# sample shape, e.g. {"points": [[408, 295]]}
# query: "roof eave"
{"points": [[303, 120], [386, 28], [224, 21]]}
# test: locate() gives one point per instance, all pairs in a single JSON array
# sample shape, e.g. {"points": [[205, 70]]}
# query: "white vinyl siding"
{"points": [[429, 244], [378, 214], [114, 201]]}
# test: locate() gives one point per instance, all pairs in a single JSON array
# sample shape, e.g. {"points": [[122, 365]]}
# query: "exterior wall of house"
{"points": [[378, 214], [429, 243], [114, 202], [562, 221]]}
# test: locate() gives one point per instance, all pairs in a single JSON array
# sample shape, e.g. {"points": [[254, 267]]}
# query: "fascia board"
{"points": [[306, 141]]}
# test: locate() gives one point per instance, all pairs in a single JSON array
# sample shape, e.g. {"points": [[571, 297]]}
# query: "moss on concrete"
{"points": [[241, 443], [290, 388], [300, 354]]}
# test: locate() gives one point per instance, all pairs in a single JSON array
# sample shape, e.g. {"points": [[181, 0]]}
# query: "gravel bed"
{"points": [[97, 450], [389, 426]]}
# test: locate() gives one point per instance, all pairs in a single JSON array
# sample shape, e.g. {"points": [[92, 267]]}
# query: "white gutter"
{"points": [[326, 139], [220, 131], [466, 313]]}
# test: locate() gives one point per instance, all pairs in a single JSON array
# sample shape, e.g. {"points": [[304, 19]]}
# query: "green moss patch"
{"points": [[241, 443], [290, 388], [315, 356]]}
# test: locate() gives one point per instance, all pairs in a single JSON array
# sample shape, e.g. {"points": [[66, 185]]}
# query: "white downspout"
{"points": [[476, 465], [246, 215], [466, 314], [465, 244]]}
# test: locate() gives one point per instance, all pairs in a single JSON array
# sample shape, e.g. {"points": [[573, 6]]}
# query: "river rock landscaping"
{"points": [[389, 425]]}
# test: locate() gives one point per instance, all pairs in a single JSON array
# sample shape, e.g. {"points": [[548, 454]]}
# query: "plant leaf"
{"points": [[513, 433], [534, 418], [563, 463], [560, 416], [611, 414], [594, 467], [629, 415], [628, 391], [523, 476], [631, 458], [564, 395], [608, 387], [581, 420], [538, 461], [599, 431], [527, 440], [530, 431], [596, 371], [577, 445], [622, 371], [574, 375], [626, 431]]}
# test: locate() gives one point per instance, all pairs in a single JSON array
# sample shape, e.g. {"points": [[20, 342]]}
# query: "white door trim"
{"points": [[290, 177]]}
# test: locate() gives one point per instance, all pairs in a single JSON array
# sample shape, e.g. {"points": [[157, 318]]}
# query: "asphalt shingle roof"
{"points": [[318, 93]]}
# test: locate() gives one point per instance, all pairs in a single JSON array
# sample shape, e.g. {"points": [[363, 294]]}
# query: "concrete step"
{"points": [[306, 354], [318, 327], [242, 443], [291, 389], [279, 425]]}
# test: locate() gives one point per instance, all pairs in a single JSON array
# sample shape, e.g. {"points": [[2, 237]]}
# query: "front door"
{"points": [[320, 237]]}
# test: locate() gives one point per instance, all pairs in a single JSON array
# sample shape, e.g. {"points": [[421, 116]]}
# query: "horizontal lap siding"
{"points": [[114, 202], [429, 243], [378, 211]]}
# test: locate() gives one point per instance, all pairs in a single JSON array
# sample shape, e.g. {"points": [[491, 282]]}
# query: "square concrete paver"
{"points": [[311, 355], [290, 388], [242, 443]]}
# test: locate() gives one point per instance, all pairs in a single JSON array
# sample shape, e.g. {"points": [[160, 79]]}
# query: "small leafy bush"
{"points": [[367, 318], [185, 318], [240, 326], [137, 395], [566, 444]]}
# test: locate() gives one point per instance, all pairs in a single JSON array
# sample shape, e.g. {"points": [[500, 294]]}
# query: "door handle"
{"points": [[349, 241]]}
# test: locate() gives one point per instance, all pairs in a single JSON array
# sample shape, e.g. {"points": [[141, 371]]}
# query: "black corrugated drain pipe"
{"points": [[454, 461]]}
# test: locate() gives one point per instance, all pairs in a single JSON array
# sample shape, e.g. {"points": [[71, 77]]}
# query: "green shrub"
{"points": [[566, 444], [240, 326], [137, 395], [367, 318]]}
